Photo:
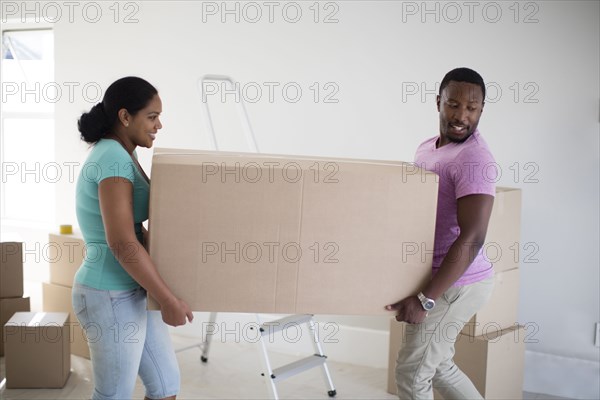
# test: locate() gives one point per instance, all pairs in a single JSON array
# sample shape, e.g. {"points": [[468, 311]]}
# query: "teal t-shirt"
{"points": [[100, 269]]}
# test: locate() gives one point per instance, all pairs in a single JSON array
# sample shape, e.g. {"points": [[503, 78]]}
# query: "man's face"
{"points": [[460, 107]]}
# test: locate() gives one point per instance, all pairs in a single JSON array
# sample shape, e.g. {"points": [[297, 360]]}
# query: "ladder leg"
{"points": [[207, 338], [266, 364], [319, 350]]}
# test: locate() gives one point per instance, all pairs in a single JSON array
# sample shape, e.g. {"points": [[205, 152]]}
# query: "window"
{"points": [[27, 126]]}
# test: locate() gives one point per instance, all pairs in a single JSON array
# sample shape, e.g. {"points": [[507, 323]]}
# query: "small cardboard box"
{"points": [[7, 308], [11, 269], [57, 298], [239, 232], [37, 350], [501, 311], [494, 362], [502, 242], [66, 254]]}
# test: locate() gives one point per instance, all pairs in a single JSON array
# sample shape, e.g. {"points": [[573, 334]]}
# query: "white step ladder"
{"points": [[318, 359]]}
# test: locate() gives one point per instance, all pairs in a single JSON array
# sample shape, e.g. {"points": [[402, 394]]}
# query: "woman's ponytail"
{"points": [[93, 125]]}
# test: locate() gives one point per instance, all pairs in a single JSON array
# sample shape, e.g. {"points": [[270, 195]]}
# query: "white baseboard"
{"points": [[561, 376], [341, 343]]}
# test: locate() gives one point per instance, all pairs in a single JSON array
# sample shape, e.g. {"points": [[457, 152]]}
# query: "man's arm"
{"points": [[473, 214]]}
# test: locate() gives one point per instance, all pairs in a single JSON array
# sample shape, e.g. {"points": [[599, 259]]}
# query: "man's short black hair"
{"points": [[463, 74]]}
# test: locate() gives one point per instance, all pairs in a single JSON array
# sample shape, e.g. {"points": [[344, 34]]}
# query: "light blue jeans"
{"points": [[125, 340]]}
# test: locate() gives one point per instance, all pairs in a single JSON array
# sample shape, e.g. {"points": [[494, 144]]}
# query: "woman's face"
{"points": [[144, 125]]}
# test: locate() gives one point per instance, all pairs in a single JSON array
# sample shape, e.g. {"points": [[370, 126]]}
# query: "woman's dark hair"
{"points": [[131, 93], [463, 75]]}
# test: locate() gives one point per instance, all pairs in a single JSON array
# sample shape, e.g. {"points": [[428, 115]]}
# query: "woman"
{"points": [[109, 292]]}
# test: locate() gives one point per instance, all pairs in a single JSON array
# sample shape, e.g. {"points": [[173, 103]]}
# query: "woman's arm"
{"points": [[116, 206]]}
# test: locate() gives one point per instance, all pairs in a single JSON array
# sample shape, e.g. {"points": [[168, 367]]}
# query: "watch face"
{"points": [[428, 305]]}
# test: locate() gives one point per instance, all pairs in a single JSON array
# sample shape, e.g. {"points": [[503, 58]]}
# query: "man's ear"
{"points": [[437, 101]]}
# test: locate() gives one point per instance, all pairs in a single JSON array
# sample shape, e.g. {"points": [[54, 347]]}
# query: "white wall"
{"points": [[371, 54]]}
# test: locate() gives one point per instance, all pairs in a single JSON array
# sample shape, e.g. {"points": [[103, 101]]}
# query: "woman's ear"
{"points": [[124, 117]]}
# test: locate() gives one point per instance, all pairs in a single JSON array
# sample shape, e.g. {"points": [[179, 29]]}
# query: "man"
{"points": [[462, 279]]}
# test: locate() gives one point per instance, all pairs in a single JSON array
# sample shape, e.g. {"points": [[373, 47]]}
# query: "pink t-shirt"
{"points": [[463, 169]]}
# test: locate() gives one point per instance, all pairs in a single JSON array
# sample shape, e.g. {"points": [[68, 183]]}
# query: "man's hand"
{"points": [[409, 310]]}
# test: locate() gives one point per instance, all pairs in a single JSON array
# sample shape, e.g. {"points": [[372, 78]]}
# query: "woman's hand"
{"points": [[174, 312]]}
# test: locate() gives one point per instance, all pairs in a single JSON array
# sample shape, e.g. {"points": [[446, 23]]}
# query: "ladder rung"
{"points": [[296, 367], [284, 323]]}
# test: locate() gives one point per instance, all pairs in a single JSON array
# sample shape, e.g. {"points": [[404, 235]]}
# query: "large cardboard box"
{"points": [[11, 269], [257, 233], [501, 311], [65, 255], [57, 298], [37, 350], [494, 362], [7, 308], [502, 243]]}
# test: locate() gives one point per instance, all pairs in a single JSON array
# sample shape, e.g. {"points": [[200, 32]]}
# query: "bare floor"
{"points": [[233, 372]]}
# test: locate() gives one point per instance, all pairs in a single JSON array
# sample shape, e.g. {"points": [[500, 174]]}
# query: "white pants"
{"points": [[425, 359]]}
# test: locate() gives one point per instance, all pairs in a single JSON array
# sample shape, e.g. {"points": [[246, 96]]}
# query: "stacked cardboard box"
{"points": [[490, 348], [486, 349], [66, 253], [37, 350], [503, 248], [11, 284], [397, 331], [494, 362]]}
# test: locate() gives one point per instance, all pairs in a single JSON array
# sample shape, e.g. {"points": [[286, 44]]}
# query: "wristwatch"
{"points": [[427, 303]]}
